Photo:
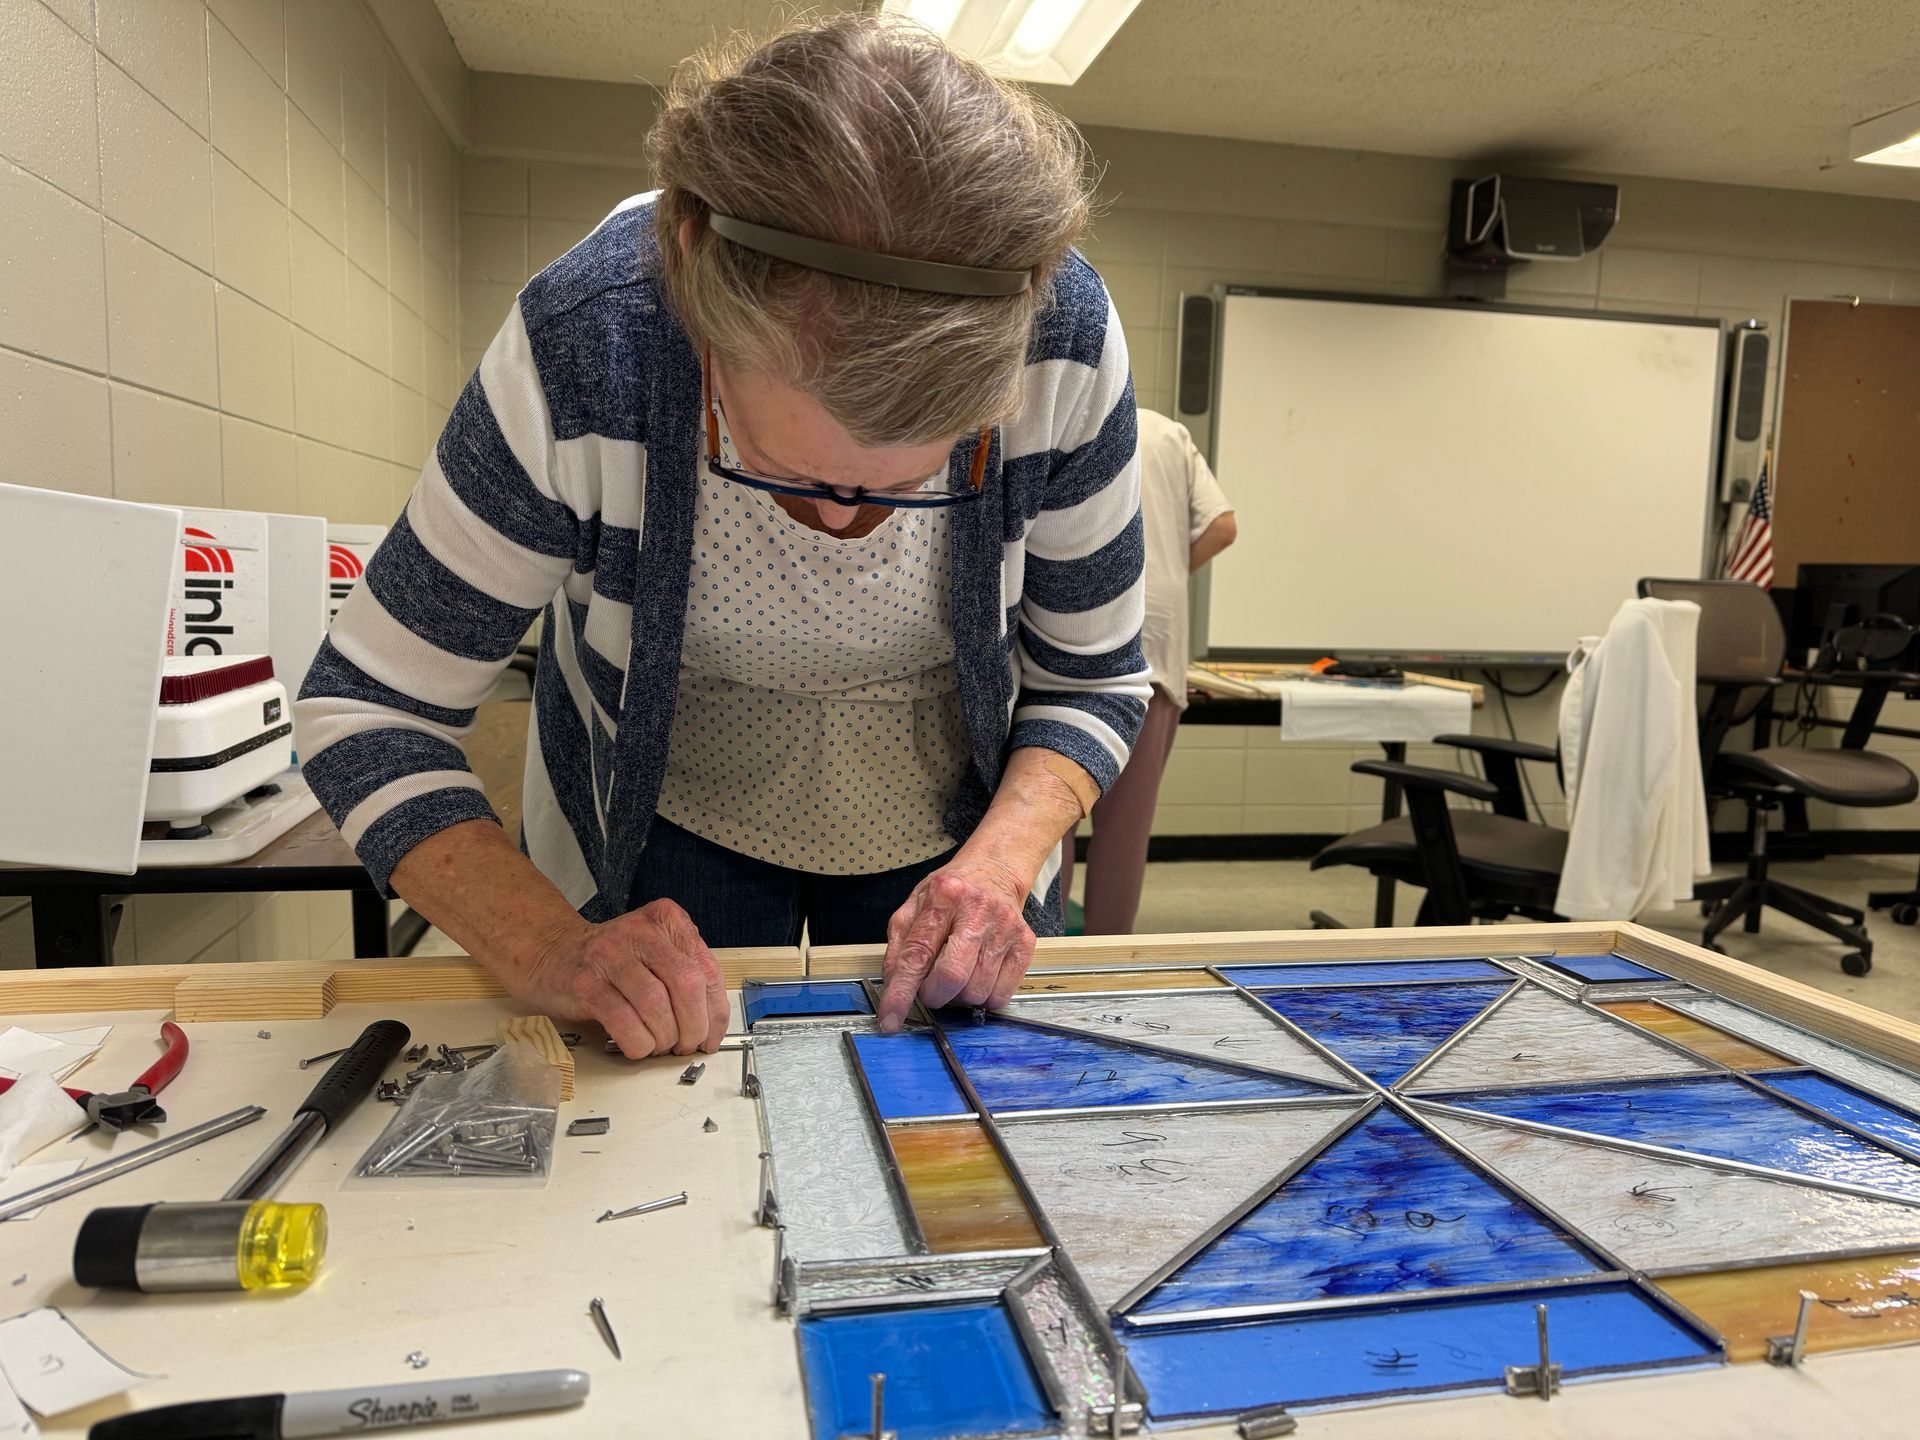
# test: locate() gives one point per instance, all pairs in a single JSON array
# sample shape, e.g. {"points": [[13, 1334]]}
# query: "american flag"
{"points": [[1751, 555]]}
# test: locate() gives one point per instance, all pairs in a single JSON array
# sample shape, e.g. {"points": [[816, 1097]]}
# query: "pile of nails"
{"points": [[494, 1139], [451, 1058]]}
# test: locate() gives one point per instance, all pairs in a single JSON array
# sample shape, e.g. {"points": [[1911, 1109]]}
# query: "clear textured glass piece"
{"points": [[1351, 972], [1018, 1067], [1698, 1036], [1400, 1349], [908, 1076], [1127, 1193], [1075, 1367], [1383, 1031], [1862, 1303], [1658, 1214], [952, 1371], [961, 1192], [1223, 1026], [1712, 1116], [1538, 1036], [1876, 1077], [828, 1167], [1384, 1209]]}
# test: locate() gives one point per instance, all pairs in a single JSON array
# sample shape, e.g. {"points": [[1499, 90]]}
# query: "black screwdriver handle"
{"points": [[351, 1078]]}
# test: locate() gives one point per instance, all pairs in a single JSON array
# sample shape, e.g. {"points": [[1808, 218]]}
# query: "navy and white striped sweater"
{"points": [[565, 481]]}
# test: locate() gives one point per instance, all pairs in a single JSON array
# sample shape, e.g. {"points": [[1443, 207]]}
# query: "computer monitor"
{"points": [[1824, 592]]}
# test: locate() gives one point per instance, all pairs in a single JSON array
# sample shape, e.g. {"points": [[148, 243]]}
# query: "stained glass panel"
{"points": [[1383, 1031], [1699, 1037], [1713, 1116], [1384, 1209], [962, 1195], [1018, 1067], [1401, 1349]]}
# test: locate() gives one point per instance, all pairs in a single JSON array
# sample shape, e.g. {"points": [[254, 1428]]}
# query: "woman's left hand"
{"points": [[960, 936]]}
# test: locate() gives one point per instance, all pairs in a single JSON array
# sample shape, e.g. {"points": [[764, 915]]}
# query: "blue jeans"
{"points": [[737, 900]]}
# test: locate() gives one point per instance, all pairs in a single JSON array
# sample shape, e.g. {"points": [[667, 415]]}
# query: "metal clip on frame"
{"points": [[1541, 1378], [1791, 1349]]}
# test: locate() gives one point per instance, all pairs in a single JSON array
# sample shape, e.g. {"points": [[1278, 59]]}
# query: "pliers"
{"points": [[135, 1105]]}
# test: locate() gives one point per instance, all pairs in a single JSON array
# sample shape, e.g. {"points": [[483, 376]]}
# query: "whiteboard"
{"points": [[1446, 479]]}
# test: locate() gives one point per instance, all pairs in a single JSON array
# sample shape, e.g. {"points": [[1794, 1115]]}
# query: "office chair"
{"points": [[1742, 647], [1473, 864]]}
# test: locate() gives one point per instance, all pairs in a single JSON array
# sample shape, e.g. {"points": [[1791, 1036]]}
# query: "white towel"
{"points": [[1356, 710]]}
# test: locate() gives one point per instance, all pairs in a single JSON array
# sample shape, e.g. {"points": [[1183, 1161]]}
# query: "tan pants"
{"points": [[1122, 825]]}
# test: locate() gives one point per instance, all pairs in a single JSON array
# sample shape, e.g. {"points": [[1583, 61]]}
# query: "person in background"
{"points": [[1187, 521]]}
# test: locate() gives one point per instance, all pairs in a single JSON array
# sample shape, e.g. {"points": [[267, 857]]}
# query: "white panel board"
{"points": [[1437, 479], [85, 585]]}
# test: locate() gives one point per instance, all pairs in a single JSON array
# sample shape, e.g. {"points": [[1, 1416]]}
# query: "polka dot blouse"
{"points": [[819, 724]]}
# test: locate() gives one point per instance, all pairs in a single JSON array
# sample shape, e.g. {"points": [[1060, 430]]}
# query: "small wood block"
{"points": [[437, 977], [283, 993], [539, 1032]]}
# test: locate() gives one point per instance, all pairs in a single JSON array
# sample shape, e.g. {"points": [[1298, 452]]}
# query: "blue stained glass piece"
{"points": [[1843, 1102], [1597, 969], [1383, 1031], [1385, 1208], [1400, 1349], [908, 1076], [1019, 1067], [1716, 1115], [952, 1371], [762, 1000], [1348, 972]]}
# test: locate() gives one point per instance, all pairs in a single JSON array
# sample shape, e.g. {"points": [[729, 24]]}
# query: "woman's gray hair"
{"points": [[873, 133]]}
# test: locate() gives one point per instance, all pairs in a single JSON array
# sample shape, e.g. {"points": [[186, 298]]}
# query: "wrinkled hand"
{"points": [[647, 976], [961, 935]]}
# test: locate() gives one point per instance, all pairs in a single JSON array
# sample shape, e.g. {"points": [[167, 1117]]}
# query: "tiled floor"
{"points": [[1192, 895]]}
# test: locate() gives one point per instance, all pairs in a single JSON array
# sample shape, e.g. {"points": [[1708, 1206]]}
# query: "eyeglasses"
{"points": [[934, 494]]}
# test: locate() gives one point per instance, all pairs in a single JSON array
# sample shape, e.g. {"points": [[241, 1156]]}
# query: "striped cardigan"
{"points": [[564, 485]]}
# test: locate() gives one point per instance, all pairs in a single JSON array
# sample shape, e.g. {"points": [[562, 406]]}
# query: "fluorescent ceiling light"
{"points": [[1891, 139], [1048, 41]]}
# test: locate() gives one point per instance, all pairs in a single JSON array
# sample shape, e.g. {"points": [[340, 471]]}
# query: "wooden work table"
{"points": [[483, 1282]]}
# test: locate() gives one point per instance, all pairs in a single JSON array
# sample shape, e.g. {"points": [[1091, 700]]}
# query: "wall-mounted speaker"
{"points": [[1743, 443], [1193, 368]]}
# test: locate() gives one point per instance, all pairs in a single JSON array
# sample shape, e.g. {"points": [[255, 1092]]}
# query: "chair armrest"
{"points": [[1426, 777], [1738, 682], [1858, 679], [1497, 745]]}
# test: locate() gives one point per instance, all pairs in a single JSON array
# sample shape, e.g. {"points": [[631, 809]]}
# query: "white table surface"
{"points": [[499, 1280]]}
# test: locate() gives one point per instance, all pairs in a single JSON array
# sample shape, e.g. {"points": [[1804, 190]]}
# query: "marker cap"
{"points": [[249, 1417]]}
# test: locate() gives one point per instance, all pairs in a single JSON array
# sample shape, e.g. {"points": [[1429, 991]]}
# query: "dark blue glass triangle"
{"points": [[1385, 1209], [1022, 1067], [1383, 1030]]}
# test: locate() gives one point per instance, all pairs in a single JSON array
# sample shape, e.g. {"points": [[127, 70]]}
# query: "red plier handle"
{"points": [[154, 1079]]}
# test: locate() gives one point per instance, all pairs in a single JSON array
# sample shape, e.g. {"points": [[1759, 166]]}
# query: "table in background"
{"points": [[1217, 694]]}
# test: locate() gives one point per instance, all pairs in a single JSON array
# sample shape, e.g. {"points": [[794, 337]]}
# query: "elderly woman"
{"points": [[818, 465]]}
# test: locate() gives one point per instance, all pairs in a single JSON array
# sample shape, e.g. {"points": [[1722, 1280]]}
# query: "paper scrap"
{"points": [[26, 1177], [55, 1052], [34, 1112], [53, 1367], [14, 1420]]}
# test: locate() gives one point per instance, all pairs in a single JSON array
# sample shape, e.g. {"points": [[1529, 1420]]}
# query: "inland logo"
{"points": [[209, 579], [343, 569]]}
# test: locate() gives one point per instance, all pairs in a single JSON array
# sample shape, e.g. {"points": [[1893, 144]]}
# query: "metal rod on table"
{"points": [[120, 1164]]}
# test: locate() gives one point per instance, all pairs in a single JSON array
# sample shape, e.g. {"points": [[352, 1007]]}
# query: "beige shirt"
{"points": [[1179, 499]]}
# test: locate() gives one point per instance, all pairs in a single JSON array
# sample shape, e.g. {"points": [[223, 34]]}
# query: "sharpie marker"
{"points": [[350, 1412]]}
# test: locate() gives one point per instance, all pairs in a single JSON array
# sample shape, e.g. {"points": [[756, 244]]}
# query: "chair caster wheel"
{"points": [[1706, 908], [1906, 914], [1856, 963]]}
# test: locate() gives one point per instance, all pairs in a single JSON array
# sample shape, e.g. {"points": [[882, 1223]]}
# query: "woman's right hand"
{"points": [[647, 976]]}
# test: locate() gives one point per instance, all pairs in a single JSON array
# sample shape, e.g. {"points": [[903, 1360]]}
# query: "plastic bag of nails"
{"points": [[492, 1122]]}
